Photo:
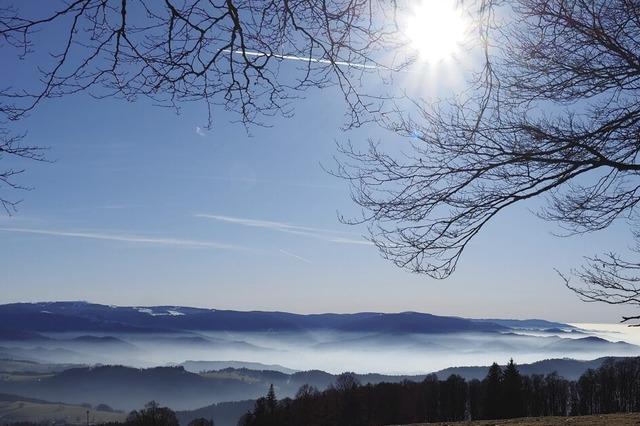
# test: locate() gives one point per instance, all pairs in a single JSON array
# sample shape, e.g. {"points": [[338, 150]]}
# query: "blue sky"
{"points": [[143, 206]]}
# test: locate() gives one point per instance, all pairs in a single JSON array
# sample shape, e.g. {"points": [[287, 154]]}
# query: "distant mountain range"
{"points": [[528, 324], [20, 320], [79, 352], [89, 334], [199, 366], [593, 342]]}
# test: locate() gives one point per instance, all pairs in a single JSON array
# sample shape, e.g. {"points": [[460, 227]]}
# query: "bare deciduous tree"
{"points": [[611, 279], [554, 113], [248, 56], [225, 52]]}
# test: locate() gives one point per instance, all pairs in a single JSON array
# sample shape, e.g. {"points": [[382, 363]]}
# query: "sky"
{"points": [[143, 206]]}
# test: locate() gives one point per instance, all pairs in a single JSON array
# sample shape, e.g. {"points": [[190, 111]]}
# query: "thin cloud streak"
{"points": [[268, 224], [127, 238], [302, 59], [319, 233], [351, 241], [295, 256], [271, 182]]}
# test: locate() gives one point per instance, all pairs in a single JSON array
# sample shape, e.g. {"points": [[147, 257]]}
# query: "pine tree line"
{"points": [[503, 393]]}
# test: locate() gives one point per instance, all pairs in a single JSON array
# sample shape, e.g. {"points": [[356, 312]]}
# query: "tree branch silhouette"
{"points": [[249, 57], [226, 52], [11, 146], [552, 114]]}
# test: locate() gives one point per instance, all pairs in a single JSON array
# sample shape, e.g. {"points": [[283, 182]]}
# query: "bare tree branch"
{"points": [[552, 113], [225, 52], [11, 146], [251, 57]]}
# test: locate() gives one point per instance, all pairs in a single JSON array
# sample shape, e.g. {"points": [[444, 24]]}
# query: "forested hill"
{"points": [[504, 393], [128, 388], [568, 368]]}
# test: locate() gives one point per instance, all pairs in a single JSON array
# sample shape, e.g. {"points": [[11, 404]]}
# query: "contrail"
{"points": [[295, 256], [301, 58], [339, 237], [126, 238]]}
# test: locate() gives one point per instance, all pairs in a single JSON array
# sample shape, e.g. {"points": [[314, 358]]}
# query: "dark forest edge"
{"points": [[504, 393]]}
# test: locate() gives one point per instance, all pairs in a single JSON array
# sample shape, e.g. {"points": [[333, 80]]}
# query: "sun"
{"points": [[436, 29]]}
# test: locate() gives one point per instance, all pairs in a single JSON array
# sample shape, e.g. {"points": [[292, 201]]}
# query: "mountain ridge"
{"points": [[42, 317]]}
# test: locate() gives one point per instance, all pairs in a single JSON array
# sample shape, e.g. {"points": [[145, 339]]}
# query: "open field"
{"points": [[599, 420], [23, 411]]}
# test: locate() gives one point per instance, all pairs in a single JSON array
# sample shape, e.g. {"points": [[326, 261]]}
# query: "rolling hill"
{"points": [[129, 388]]}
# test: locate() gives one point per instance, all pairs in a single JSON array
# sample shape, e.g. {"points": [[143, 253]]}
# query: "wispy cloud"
{"points": [[307, 231], [295, 256], [127, 238], [200, 131]]}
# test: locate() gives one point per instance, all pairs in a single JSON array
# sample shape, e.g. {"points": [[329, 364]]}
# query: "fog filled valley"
{"points": [[403, 343], [188, 358]]}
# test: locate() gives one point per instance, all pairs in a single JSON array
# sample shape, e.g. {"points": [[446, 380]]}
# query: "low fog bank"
{"points": [[389, 343], [333, 352], [613, 332]]}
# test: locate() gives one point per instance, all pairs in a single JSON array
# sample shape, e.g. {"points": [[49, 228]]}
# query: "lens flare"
{"points": [[436, 29]]}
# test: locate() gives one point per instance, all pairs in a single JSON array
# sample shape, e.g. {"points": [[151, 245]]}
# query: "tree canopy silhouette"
{"points": [[152, 415], [201, 422], [553, 113], [504, 393]]}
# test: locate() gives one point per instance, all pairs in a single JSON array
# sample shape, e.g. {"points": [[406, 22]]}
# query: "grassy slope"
{"points": [[22, 411], [608, 419]]}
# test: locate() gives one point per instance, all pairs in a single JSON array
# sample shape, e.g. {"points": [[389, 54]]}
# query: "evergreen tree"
{"points": [[453, 398], [493, 392], [431, 386], [475, 399], [512, 392], [271, 400]]}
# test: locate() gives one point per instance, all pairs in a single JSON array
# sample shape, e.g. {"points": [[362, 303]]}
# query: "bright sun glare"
{"points": [[436, 28]]}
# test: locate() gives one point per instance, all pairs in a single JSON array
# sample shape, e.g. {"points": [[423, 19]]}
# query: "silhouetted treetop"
{"points": [[152, 415], [614, 387], [346, 382], [201, 422]]}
